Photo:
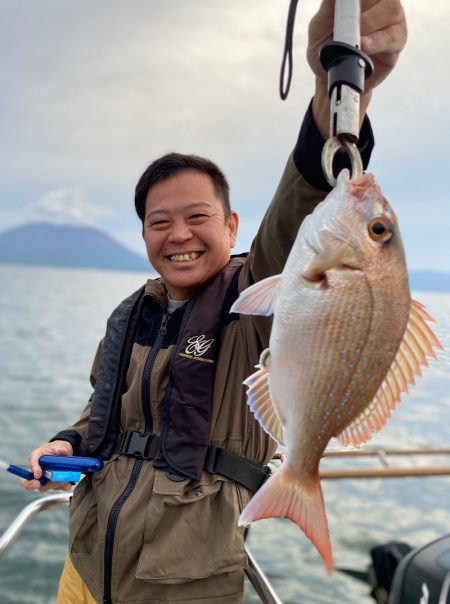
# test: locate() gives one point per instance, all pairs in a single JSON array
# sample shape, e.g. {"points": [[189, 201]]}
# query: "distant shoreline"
{"points": [[429, 281]]}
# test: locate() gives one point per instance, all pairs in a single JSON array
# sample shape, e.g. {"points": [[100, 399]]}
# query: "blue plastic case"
{"points": [[70, 463]]}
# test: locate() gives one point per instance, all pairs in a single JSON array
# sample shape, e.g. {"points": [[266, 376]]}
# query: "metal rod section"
{"points": [[260, 582], [36, 506], [384, 472], [347, 14], [344, 110], [387, 470], [376, 452], [383, 459]]}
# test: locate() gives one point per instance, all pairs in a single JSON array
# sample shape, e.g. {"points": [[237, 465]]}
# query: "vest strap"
{"points": [[137, 444], [218, 461]]}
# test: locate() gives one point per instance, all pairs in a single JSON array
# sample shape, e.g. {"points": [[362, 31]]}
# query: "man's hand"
{"points": [[57, 447], [383, 36]]}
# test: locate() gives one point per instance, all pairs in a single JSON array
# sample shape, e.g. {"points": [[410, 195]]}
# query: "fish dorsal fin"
{"points": [[260, 402], [418, 342], [258, 299]]}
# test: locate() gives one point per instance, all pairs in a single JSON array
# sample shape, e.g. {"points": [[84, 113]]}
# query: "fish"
{"points": [[345, 344]]}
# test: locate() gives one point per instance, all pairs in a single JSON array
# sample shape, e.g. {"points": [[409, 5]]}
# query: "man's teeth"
{"points": [[184, 257]]}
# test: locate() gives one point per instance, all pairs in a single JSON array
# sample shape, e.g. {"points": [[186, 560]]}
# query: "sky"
{"points": [[92, 92]]}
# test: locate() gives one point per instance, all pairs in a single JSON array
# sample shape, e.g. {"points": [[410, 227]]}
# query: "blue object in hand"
{"points": [[73, 463], [18, 471], [65, 468], [58, 468]]}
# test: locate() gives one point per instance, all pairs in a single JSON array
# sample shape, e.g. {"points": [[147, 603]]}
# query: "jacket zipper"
{"points": [[111, 529], [115, 510], [148, 372]]}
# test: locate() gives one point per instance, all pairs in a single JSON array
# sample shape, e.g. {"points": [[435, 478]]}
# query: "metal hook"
{"points": [[331, 147]]}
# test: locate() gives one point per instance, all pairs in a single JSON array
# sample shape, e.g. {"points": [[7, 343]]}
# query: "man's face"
{"points": [[187, 237]]}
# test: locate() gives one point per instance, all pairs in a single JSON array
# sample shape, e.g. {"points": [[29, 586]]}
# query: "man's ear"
{"points": [[233, 225]]}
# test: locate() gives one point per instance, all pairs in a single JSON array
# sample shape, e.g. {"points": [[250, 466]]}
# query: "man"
{"points": [[183, 453]]}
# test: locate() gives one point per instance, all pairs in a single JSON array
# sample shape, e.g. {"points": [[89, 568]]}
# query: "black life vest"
{"points": [[187, 407]]}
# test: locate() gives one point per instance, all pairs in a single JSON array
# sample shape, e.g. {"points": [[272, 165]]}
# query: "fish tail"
{"points": [[284, 494]]}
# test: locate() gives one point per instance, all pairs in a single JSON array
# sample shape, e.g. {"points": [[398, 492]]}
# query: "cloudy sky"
{"points": [[93, 91]]}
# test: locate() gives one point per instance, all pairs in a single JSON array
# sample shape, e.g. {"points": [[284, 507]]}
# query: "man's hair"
{"points": [[174, 163]]}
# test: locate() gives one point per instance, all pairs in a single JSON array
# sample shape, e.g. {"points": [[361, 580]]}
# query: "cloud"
{"points": [[199, 77], [67, 205]]}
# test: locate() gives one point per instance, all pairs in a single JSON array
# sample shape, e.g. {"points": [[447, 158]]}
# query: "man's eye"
{"points": [[198, 216], [158, 223]]}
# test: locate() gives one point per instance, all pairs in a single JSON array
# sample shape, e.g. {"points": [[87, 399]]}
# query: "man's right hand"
{"points": [[383, 36], [57, 447]]}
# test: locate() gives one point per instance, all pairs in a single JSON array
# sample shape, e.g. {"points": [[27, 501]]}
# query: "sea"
{"points": [[51, 320]]}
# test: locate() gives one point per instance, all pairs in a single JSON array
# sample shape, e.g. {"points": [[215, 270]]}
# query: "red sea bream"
{"points": [[346, 341]]}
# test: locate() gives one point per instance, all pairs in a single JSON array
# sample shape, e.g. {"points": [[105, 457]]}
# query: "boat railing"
{"points": [[259, 581], [255, 574], [46, 502], [385, 466]]}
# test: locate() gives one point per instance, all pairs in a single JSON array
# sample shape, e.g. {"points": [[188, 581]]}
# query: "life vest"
{"points": [[183, 447]]}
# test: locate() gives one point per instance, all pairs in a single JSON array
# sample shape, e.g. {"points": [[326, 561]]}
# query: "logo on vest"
{"points": [[196, 348]]}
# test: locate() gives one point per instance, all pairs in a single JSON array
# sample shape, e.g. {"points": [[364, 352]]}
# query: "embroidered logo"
{"points": [[197, 345]]}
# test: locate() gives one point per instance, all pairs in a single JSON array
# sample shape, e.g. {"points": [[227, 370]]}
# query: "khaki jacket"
{"points": [[173, 538]]}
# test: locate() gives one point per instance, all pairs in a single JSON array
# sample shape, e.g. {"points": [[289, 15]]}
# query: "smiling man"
{"points": [[183, 453], [188, 225]]}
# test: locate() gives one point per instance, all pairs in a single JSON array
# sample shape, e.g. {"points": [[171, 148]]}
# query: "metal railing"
{"points": [[255, 574], [386, 469], [36, 506]]}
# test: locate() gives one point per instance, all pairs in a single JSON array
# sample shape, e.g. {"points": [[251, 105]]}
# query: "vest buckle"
{"points": [[138, 445]]}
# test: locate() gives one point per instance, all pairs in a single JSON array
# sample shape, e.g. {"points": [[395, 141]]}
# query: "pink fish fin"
{"points": [[260, 401], [286, 495], [418, 342], [324, 261], [419, 317], [258, 299]]}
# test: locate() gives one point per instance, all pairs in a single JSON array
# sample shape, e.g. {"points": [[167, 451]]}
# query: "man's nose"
{"points": [[180, 231]]}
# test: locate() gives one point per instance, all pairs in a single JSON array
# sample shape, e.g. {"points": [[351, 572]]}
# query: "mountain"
{"points": [[67, 245], [431, 281], [87, 247]]}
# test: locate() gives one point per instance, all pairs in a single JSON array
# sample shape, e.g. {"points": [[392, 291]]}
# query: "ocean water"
{"points": [[50, 323]]}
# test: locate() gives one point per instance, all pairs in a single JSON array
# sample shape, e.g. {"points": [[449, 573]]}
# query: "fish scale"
{"points": [[332, 371], [346, 341]]}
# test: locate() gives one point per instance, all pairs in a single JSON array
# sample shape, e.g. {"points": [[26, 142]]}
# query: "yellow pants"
{"points": [[72, 589]]}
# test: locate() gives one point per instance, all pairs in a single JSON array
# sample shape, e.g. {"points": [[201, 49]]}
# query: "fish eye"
{"points": [[380, 229]]}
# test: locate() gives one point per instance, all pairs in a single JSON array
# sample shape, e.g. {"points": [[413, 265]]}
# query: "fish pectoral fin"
{"points": [[324, 261], [286, 495], [418, 342], [261, 405], [258, 299]]}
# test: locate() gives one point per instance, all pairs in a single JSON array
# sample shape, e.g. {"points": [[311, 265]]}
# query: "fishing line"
{"points": [[287, 53]]}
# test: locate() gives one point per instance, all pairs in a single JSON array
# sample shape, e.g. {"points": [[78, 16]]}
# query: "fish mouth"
{"points": [[185, 256]]}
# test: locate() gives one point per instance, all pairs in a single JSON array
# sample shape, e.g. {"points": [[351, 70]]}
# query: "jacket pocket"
{"points": [[191, 530], [83, 521], [83, 518]]}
